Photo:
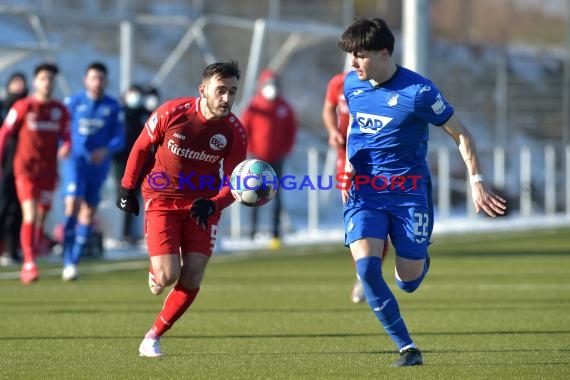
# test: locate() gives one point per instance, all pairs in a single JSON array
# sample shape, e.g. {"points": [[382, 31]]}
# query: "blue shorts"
{"points": [[409, 227], [83, 181]]}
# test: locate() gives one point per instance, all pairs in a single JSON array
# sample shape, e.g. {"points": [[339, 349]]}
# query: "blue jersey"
{"points": [[387, 143], [95, 124]]}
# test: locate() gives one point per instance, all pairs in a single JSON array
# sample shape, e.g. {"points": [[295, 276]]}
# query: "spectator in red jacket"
{"points": [[271, 126]]}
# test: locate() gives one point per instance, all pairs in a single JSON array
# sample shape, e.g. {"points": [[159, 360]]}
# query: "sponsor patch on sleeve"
{"points": [[151, 124], [11, 117], [439, 106]]}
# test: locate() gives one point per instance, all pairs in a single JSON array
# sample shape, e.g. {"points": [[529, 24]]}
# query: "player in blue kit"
{"points": [[390, 109], [97, 133]]}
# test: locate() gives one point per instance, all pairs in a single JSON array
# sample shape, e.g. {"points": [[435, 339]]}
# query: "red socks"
{"points": [[27, 242], [177, 302]]}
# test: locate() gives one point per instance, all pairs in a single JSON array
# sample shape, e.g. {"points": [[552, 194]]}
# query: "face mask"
{"points": [[133, 99], [151, 102], [269, 91]]}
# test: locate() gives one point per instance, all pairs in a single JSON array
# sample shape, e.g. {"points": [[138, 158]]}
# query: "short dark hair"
{"points": [[223, 69], [98, 66], [367, 34], [17, 75], [46, 66]]}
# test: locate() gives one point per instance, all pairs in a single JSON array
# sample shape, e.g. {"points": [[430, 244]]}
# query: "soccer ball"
{"points": [[253, 183]]}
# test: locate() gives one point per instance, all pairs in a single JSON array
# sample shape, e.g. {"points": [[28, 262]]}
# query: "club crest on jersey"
{"points": [[218, 142], [392, 99], [371, 124]]}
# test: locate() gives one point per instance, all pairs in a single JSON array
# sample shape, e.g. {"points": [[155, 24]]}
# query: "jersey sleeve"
{"points": [[333, 88], [157, 122], [79, 145], [12, 124], [15, 117], [431, 105], [65, 127], [237, 154]]}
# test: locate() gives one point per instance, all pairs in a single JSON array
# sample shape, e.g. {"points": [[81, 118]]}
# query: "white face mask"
{"points": [[151, 102], [269, 91], [133, 99]]}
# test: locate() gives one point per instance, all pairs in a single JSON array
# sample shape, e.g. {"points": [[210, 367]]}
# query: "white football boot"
{"points": [[69, 273], [150, 348], [357, 293], [153, 286]]}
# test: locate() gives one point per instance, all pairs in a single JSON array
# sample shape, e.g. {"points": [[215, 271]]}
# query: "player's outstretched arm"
{"points": [[483, 197]]}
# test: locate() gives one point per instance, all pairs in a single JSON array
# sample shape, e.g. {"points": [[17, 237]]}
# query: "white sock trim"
{"points": [[413, 345]]}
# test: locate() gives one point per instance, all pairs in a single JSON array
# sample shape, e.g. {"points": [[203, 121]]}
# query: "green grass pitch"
{"points": [[494, 306]]}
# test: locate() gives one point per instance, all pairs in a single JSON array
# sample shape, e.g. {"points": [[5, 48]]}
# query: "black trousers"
{"points": [[275, 203]]}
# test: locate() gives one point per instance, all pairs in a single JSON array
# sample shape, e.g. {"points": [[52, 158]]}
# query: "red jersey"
{"points": [[40, 126], [335, 95], [190, 155], [271, 127]]}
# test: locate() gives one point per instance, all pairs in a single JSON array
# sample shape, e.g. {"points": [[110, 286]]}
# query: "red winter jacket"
{"points": [[271, 125]]}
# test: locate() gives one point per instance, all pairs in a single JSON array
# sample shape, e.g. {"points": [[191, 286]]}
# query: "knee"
{"points": [[191, 279], [165, 278], [409, 286], [368, 268]]}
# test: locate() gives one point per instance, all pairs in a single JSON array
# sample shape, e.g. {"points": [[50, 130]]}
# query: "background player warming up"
{"points": [[40, 123]]}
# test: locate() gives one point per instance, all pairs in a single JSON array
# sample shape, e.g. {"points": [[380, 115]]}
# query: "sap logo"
{"points": [[371, 124], [179, 136], [89, 127]]}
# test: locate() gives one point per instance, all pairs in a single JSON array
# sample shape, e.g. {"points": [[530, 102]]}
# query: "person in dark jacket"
{"points": [[138, 103], [10, 212]]}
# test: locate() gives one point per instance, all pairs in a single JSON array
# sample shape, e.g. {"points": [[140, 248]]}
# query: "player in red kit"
{"points": [[184, 194], [40, 123], [336, 118]]}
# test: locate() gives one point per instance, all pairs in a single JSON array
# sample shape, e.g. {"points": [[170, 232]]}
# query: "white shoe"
{"points": [[357, 293], [150, 348], [69, 273], [154, 287]]}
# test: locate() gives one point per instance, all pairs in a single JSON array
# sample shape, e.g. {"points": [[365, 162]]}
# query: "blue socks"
{"points": [[75, 239], [382, 300], [68, 239], [81, 239]]}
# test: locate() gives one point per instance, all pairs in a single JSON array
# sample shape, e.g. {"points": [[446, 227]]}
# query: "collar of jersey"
{"points": [[375, 84], [199, 110]]}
